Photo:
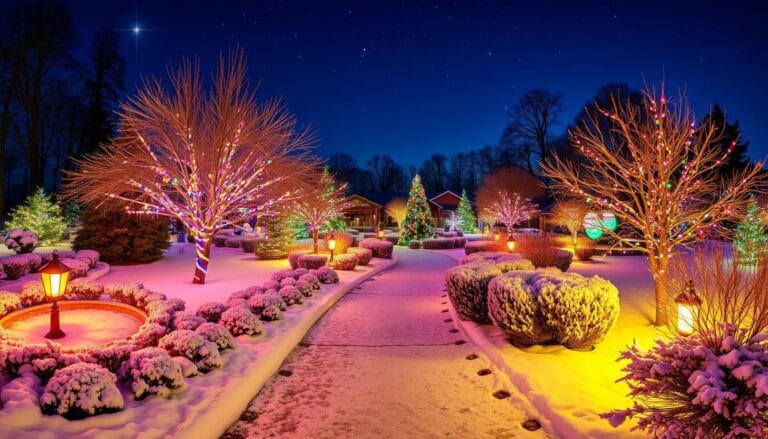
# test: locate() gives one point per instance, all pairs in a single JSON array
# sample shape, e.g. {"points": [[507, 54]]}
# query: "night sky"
{"points": [[411, 79]]}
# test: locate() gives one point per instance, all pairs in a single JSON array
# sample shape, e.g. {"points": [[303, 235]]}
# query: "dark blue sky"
{"points": [[411, 79]]}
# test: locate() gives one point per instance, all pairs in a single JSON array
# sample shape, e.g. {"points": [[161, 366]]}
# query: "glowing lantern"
{"points": [[496, 236], [609, 221], [592, 226], [54, 276], [381, 234], [331, 246], [688, 303], [511, 244]]}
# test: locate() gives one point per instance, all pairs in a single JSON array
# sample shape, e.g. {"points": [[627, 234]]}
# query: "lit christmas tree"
{"points": [[40, 215], [750, 236], [416, 225], [467, 220]]}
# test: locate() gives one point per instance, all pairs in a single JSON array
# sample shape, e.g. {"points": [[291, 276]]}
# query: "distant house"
{"points": [[368, 209]]}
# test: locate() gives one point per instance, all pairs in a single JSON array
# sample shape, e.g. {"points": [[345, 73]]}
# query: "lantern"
{"points": [[688, 303], [54, 276], [609, 221], [381, 234], [496, 236], [592, 226], [331, 246], [511, 244]]}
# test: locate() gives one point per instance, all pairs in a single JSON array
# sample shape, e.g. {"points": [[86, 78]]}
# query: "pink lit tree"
{"points": [[209, 159], [322, 200], [505, 196], [510, 209]]}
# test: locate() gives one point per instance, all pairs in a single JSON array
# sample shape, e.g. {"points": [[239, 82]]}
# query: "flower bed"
{"points": [[379, 248]]}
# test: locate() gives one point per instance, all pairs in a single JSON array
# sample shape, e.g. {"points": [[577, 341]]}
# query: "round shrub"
{"points": [[268, 306], [32, 293], [283, 274], [186, 320], [533, 307], [192, 346], [211, 311], [343, 241], [241, 321], [364, 255], [298, 272], [270, 285], [291, 295], [467, 287], [414, 244], [233, 242], [307, 290], [482, 246], [327, 275], [81, 390], [21, 241], [151, 371], [288, 281], [380, 249], [220, 240], [311, 261], [248, 244], [77, 268], [9, 302], [293, 259], [344, 262], [311, 279], [83, 289], [437, 243], [563, 259], [216, 334]]}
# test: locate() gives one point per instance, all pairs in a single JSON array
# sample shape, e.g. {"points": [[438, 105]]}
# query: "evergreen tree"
{"points": [[297, 227], [750, 236], [730, 135], [416, 225], [40, 215], [122, 238], [467, 220], [278, 239]]}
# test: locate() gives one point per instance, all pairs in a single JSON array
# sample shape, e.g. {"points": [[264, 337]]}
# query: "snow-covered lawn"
{"points": [[569, 387]]}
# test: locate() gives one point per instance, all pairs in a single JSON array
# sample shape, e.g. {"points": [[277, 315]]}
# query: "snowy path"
{"points": [[384, 362]]}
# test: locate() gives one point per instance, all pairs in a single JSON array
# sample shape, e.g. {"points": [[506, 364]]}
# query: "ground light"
{"points": [[511, 244], [381, 234], [54, 276], [496, 236], [331, 246], [688, 303]]}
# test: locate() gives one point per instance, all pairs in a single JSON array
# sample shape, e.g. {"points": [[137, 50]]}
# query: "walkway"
{"points": [[386, 361]]}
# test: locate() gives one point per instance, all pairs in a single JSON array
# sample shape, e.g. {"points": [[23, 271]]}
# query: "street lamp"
{"points": [[331, 246], [54, 276], [511, 244], [688, 303], [496, 236], [381, 234]]}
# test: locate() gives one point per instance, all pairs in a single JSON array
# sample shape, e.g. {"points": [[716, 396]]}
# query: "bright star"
{"points": [[136, 29]]}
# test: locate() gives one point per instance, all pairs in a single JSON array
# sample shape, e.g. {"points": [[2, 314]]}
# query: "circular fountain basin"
{"points": [[85, 322]]}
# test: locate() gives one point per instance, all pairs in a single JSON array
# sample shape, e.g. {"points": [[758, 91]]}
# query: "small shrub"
{"points": [[268, 306], [270, 285], [21, 241], [414, 244], [437, 243], [311, 261], [32, 293], [343, 241], [344, 262], [151, 371], [310, 279], [291, 295], [293, 259], [81, 390], [482, 246], [187, 320], [9, 302], [195, 348], [379, 248], [220, 240], [586, 252], [15, 267], [83, 289], [283, 274], [288, 281], [248, 244], [327, 275], [467, 287], [563, 259], [77, 268], [364, 255], [92, 256], [232, 242], [241, 321], [307, 289], [211, 311], [217, 334]]}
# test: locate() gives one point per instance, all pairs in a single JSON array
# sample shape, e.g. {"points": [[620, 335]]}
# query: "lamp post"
{"points": [[331, 246], [496, 236], [511, 244], [54, 276], [688, 303], [381, 234]]}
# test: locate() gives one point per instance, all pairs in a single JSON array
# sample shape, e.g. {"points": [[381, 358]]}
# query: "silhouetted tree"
{"points": [[388, 175], [433, 172], [736, 160]]}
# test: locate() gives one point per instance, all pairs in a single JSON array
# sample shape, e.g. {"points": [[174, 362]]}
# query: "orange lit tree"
{"points": [[209, 159], [322, 200], [505, 196], [658, 173], [570, 214], [397, 208]]}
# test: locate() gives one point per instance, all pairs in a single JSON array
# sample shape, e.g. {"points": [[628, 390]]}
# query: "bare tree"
{"points": [[434, 172], [506, 195], [388, 174], [322, 199], [570, 214]]}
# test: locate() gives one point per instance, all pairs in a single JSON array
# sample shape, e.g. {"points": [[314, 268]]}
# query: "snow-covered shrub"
{"points": [[83, 289], [298, 272], [459, 242], [194, 347], [293, 258], [44, 368], [278, 276], [491, 257], [143, 297], [18, 354], [232, 242], [81, 390], [248, 244], [379, 248], [149, 334], [242, 321], [237, 302], [216, 334], [92, 256], [344, 262], [151, 371], [364, 255], [187, 320], [268, 306], [188, 368], [211, 311], [21, 241], [541, 251], [685, 389], [9, 302], [176, 304], [270, 285], [344, 241], [467, 287], [240, 294], [305, 287], [414, 244], [291, 295], [32, 293], [437, 243], [288, 281], [563, 259], [311, 261], [533, 307], [77, 267], [585, 249], [481, 246], [123, 292], [310, 279], [110, 356], [326, 275], [15, 266], [220, 240]]}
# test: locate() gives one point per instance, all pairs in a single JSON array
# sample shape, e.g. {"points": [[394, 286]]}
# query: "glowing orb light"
{"points": [[592, 226], [609, 221]]}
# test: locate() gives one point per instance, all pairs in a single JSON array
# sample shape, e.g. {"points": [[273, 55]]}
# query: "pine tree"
{"points": [[467, 220], [40, 215], [416, 225], [750, 236], [278, 239]]}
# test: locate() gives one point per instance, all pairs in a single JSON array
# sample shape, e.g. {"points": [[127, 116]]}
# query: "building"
{"points": [[367, 210]]}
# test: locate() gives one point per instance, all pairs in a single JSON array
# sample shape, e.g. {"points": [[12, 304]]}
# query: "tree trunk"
{"points": [[662, 296], [202, 256], [314, 239], [574, 237]]}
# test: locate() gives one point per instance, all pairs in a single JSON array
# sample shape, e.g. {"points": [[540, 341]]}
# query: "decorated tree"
{"points": [[467, 220], [416, 224], [511, 209], [570, 214], [750, 236], [277, 238], [209, 159], [322, 200], [657, 179], [397, 208], [40, 215], [505, 196]]}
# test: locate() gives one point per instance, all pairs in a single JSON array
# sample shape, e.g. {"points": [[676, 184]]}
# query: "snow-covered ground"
{"points": [[384, 362], [571, 388], [209, 403]]}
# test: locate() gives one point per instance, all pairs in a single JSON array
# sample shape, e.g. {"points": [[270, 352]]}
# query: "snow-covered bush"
{"points": [[288, 281], [533, 307], [344, 241], [240, 294], [216, 334], [21, 241], [414, 244], [176, 304], [92, 256], [220, 240], [151, 371], [248, 244], [364, 255], [123, 292], [298, 272], [211, 311], [307, 290], [481, 246], [311, 261], [291, 295], [81, 390], [293, 258], [194, 347], [541, 251], [268, 306], [326, 275], [278, 276], [32, 293], [437, 243], [187, 320], [242, 321], [83, 289], [492, 257], [149, 334], [563, 259], [310, 279], [17, 354], [379, 248], [9, 302], [232, 242], [15, 266], [344, 262], [77, 267], [270, 285], [683, 388], [467, 287], [110, 356]]}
